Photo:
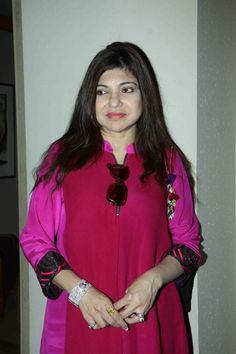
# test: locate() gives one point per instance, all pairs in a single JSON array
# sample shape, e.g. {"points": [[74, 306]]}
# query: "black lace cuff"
{"points": [[48, 267], [188, 259]]}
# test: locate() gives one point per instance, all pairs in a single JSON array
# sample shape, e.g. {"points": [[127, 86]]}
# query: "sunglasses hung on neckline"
{"points": [[117, 192]]}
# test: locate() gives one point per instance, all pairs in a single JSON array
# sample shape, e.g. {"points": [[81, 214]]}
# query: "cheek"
{"points": [[99, 104], [97, 108]]}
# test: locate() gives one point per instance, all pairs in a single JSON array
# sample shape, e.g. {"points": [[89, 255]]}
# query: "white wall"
{"points": [[60, 38]]}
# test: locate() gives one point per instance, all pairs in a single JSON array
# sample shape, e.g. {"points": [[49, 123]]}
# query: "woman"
{"points": [[97, 232]]}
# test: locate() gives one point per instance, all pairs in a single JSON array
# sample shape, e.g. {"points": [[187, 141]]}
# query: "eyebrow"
{"points": [[123, 83]]}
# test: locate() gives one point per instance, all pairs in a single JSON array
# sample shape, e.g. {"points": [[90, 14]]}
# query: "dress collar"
{"points": [[130, 149]]}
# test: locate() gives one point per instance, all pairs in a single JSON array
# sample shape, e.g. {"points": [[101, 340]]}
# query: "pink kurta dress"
{"points": [[111, 252]]}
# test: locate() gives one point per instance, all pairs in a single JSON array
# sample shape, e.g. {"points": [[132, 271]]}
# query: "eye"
{"points": [[101, 91], [127, 89]]}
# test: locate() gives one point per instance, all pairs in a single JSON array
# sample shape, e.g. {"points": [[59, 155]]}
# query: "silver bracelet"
{"points": [[78, 291]]}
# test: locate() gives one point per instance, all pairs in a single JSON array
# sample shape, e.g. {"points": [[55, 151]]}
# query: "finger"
{"points": [[135, 317], [132, 320], [115, 319], [90, 321], [134, 311], [100, 322], [110, 320], [128, 311], [124, 301]]}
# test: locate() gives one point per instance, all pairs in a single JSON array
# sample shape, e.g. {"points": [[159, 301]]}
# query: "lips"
{"points": [[115, 115]]}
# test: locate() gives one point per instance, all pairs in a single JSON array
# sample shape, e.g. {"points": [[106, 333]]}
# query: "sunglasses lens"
{"points": [[117, 194]]}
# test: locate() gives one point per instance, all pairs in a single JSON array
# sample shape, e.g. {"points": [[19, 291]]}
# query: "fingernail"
{"points": [[126, 328]]}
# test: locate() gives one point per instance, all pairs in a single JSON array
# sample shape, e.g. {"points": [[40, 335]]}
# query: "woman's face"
{"points": [[118, 102]]}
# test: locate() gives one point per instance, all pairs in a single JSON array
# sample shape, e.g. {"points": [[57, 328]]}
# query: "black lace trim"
{"points": [[188, 259], [48, 267]]}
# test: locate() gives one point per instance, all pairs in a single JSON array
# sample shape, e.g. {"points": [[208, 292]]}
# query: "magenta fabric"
{"points": [[111, 252], [47, 218]]}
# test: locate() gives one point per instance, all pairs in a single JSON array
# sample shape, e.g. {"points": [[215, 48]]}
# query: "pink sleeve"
{"points": [[38, 235], [184, 226]]}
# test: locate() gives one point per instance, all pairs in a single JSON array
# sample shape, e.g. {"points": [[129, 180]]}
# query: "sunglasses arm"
{"points": [[117, 210]]}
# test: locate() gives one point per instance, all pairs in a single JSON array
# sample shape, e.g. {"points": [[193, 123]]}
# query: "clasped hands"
{"points": [[99, 311]]}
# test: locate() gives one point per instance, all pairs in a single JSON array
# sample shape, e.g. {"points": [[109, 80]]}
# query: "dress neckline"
{"points": [[130, 149]]}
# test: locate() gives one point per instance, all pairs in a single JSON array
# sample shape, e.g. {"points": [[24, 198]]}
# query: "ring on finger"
{"points": [[140, 316], [92, 326], [111, 311]]}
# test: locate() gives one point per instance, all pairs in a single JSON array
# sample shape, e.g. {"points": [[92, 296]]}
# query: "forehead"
{"points": [[117, 74]]}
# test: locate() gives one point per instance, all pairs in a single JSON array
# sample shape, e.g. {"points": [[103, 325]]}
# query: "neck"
{"points": [[119, 143]]}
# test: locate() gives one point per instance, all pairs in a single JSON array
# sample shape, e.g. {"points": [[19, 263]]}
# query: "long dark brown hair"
{"points": [[82, 142]]}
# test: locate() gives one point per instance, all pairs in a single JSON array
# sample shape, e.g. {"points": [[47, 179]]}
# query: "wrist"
{"points": [[157, 278], [78, 291]]}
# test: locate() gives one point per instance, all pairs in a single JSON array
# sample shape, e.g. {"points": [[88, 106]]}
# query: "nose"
{"points": [[114, 100]]}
